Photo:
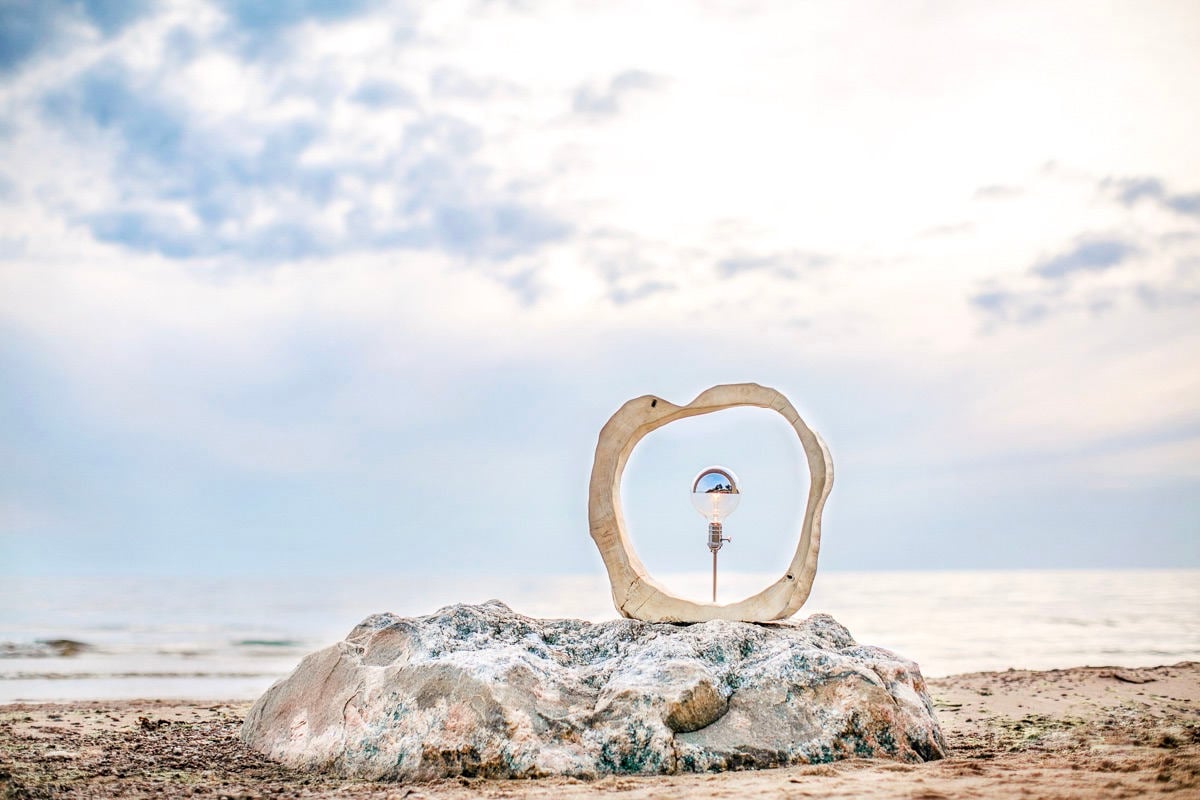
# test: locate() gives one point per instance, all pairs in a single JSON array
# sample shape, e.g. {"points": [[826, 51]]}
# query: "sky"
{"points": [[351, 287]]}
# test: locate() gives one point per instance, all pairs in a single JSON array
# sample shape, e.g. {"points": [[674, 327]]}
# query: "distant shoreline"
{"points": [[949, 622], [1082, 732]]}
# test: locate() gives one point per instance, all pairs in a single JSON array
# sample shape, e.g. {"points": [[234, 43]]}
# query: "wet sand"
{"points": [[1077, 733]]}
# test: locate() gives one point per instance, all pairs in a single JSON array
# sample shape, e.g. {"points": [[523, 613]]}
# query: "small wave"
{"points": [[1082, 623], [184, 652], [1146, 651], [76, 676], [43, 648], [267, 643]]}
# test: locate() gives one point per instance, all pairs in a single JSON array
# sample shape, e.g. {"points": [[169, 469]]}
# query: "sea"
{"points": [[75, 638]]}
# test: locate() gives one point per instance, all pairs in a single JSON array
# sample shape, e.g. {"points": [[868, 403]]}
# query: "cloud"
{"points": [[1014, 307], [949, 229], [1180, 291], [112, 16], [189, 187], [1172, 238], [498, 229], [107, 98], [782, 265], [606, 102], [166, 157], [1058, 290], [29, 26], [383, 94], [1131, 191], [643, 290], [451, 82], [1162, 297], [1057, 285], [525, 285], [25, 29], [256, 16], [997, 192], [1069, 281], [1087, 255], [269, 32], [173, 238]]}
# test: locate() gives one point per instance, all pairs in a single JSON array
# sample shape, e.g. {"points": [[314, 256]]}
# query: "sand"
{"points": [[1077, 733]]}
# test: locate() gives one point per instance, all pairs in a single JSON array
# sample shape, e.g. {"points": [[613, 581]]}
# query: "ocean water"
{"points": [[231, 638]]}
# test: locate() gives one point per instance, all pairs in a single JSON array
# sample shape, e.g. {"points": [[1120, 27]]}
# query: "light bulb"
{"points": [[715, 493]]}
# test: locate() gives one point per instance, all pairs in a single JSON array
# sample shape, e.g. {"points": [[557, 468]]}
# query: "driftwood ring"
{"points": [[635, 593]]}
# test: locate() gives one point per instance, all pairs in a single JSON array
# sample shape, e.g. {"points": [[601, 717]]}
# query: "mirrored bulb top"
{"points": [[715, 493]]}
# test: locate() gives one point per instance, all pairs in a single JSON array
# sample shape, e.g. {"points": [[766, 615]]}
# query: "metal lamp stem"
{"points": [[715, 542]]}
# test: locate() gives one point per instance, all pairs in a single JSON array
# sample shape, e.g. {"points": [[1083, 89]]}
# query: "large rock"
{"points": [[483, 691]]}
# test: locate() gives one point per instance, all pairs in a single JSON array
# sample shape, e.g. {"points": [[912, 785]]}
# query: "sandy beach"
{"points": [[1075, 733]]}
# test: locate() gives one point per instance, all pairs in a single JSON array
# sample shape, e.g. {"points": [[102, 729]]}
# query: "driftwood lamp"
{"points": [[638, 595]]}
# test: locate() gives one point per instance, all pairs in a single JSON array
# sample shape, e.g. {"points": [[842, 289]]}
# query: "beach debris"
{"points": [[1126, 677], [43, 648], [481, 691]]}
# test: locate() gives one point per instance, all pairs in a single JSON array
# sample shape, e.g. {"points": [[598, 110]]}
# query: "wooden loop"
{"points": [[635, 593]]}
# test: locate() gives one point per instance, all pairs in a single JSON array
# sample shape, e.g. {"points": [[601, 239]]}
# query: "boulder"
{"points": [[479, 690]]}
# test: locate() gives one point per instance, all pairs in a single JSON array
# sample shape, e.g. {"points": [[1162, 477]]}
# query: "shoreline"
{"points": [[1080, 732]]}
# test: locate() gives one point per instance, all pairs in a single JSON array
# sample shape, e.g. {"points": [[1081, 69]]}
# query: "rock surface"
{"points": [[483, 691]]}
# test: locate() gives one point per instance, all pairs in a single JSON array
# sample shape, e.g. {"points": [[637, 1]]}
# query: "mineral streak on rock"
{"points": [[484, 691]]}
